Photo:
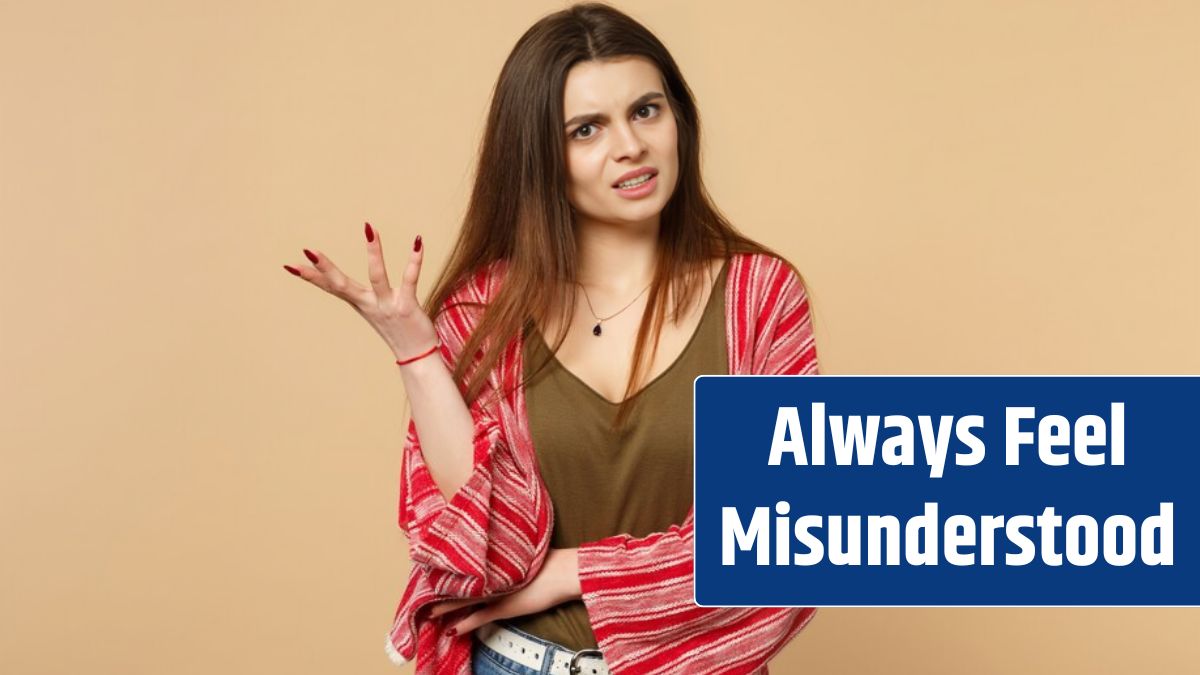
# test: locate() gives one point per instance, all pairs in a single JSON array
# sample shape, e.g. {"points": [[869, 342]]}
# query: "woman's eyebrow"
{"points": [[601, 117]]}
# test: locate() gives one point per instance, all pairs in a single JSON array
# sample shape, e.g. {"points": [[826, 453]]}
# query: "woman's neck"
{"points": [[616, 259]]}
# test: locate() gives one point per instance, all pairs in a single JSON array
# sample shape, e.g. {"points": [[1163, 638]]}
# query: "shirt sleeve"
{"points": [[476, 544], [785, 336], [639, 591]]}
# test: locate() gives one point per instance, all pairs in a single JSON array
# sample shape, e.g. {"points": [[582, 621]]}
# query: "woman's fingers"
{"points": [[413, 271], [326, 275], [376, 270], [477, 619]]}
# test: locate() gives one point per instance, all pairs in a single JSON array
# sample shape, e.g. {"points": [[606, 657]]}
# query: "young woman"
{"points": [[546, 480]]}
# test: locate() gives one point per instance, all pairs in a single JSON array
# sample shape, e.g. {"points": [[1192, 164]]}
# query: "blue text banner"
{"points": [[947, 491]]}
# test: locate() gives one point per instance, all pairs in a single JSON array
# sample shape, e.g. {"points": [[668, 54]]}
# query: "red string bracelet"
{"points": [[431, 350]]}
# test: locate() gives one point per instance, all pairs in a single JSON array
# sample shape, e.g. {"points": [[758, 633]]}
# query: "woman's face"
{"points": [[618, 121]]}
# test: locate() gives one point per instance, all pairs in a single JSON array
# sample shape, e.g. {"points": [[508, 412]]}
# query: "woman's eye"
{"points": [[647, 107], [578, 132]]}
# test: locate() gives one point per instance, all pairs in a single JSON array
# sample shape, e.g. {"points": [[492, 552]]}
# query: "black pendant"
{"points": [[596, 330]]}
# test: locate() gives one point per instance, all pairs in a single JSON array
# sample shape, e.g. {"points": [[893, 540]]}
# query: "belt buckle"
{"points": [[576, 669]]}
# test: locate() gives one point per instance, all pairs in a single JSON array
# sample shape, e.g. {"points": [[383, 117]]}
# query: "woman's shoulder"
{"points": [[757, 273], [481, 284], [463, 307]]}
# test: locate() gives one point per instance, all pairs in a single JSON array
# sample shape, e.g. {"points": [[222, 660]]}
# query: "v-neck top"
{"points": [[636, 481]]}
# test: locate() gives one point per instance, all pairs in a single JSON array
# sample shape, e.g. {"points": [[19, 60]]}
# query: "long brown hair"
{"points": [[518, 210]]}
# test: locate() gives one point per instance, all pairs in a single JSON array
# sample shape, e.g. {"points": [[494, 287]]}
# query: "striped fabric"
{"points": [[493, 535]]}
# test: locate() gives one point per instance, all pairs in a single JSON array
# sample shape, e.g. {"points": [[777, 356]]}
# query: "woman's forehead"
{"points": [[593, 86]]}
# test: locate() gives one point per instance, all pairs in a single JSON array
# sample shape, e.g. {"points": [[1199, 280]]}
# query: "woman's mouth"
{"points": [[636, 188]]}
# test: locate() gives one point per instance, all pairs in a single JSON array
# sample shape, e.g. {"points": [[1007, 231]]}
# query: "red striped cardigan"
{"points": [[492, 537]]}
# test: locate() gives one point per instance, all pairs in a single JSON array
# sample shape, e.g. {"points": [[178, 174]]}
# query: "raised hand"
{"points": [[394, 313]]}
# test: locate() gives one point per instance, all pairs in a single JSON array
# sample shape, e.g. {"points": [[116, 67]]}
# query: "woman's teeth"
{"points": [[633, 182]]}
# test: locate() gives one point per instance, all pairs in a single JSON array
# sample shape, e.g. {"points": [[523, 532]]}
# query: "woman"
{"points": [[547, 498]]}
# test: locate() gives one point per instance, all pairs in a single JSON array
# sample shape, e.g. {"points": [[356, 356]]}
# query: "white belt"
{"points": [[532, 654]]}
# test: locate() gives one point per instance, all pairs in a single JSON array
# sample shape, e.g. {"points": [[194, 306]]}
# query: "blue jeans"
{"points": [[487, 661]]}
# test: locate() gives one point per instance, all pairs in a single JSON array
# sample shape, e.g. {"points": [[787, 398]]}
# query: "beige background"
{"points": [[200, 451]]}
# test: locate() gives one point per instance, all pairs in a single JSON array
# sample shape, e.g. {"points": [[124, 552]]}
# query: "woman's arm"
{"points": [[462, 523], [445, 423], [396, 315], [556, 582]]}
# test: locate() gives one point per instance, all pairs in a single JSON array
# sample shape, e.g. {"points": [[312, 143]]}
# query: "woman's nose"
{"points": [[628, 142]]}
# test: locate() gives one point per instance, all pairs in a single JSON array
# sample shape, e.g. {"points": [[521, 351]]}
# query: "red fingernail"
{"points": [[291, 269], [311, 256], [370, 234], [417, 243]]}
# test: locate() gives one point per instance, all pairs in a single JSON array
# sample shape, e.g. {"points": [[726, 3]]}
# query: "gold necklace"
{"points": [[596, 329]]}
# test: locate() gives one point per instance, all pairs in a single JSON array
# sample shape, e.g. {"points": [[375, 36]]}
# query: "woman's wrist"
{"points": [[423, 376], [406, 359], [569, 572]]}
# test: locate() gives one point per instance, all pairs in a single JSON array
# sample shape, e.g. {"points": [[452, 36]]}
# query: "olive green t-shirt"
{"points": [[637, 481]]}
